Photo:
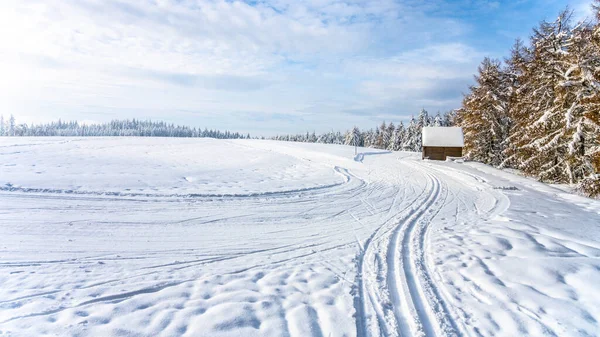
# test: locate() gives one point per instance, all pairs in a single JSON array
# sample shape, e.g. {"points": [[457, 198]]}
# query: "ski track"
{"points": [[388, 246], [407, 291]]}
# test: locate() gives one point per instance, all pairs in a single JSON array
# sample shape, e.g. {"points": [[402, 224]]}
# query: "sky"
{"points": [[262, 66]]}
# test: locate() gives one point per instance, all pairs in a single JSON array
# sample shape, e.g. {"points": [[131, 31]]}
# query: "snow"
{"points": [[202, 237], [443, 136], [156, 166]]}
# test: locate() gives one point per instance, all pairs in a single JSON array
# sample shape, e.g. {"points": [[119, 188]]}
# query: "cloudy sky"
{"points": [[259, 66]]}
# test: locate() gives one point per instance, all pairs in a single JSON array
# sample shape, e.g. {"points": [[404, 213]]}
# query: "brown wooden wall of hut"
{"points": [[440, 153]]}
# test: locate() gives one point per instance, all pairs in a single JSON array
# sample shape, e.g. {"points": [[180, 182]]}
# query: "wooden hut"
{"points": [[442, 142]]}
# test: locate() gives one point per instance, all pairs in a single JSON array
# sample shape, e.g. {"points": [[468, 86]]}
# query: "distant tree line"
{"points": [[539, 110], [126, 127], [385, 136]]}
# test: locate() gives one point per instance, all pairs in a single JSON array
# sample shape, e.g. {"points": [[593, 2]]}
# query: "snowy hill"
{"points": [[204, 237]]}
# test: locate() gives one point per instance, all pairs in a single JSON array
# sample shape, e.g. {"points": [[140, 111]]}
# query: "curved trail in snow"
{"points": [[397, 292], [346, 176]]}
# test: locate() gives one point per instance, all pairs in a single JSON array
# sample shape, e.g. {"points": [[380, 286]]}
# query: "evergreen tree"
{"points": [[398, 138], [484, 115], [380, 134], [541, 144], [413, 135], [348, 138], [423, 119], [450, 118], [356, 137], [437, 121], [516, 71], [11, 126], [389, 134]]}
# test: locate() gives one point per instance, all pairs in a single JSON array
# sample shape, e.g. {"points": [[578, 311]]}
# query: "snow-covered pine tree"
{"points": [[367, 137], [413, 135], [348, 137], [423, 119], [2, 129], [380, 133], [356, 137], [591, 184], [437, 121], [578, 98], [405, 138], [516, 71], [393, 141], [389, 134], [581, 94], [398, 137], [484, 114], [541, 141], [450, 118], [11, 125]]}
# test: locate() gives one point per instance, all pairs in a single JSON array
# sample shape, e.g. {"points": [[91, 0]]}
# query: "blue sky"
{"points": [[264, 67]]}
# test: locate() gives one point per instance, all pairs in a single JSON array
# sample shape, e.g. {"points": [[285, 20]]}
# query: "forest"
{"points": [[126, 127], [538, 110], [385, 136]]}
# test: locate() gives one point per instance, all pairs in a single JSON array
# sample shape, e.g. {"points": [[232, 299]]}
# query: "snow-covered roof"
{"points": [[443, 136]]}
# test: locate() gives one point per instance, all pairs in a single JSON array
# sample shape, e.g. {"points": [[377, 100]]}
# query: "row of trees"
{"points": [[539, 110], [386, 136], [133, 128], [8, 127]]}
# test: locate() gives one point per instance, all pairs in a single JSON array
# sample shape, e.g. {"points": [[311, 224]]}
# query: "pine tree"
{"points": [[542, 142], [348, 138], [389, 134], [578, 98], [450, 118], [581, 87], [356, 137], [380, 134], [423, 119], [353, 137], [517, 73], [398, 137], [368, 138], [437, 121], [484, 115], [11, 126], [393, 141], [413, 135]]}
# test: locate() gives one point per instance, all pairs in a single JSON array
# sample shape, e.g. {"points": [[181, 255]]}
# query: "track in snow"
{"points": [[397, 295]]}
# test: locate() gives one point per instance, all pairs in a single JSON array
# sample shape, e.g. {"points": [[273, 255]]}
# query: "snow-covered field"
{"points": [[202, 237]]}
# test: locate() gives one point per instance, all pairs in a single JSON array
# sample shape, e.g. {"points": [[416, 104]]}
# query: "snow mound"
{"points": [[153, 166]]}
